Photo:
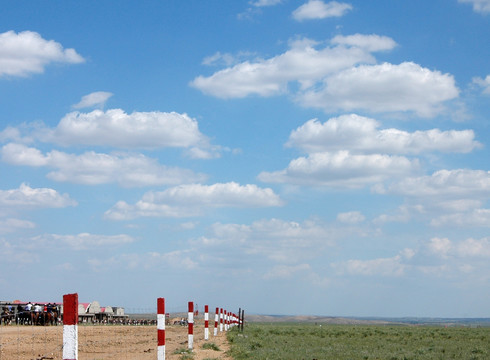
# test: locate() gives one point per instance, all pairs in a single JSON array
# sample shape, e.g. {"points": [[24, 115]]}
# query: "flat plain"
{"points": [[297, 341]]}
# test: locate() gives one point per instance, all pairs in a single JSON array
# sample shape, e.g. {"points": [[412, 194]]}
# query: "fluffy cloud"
{"points": [[342, 169], [444, 185], [27, 52], [472, 218], [285, 242], [261, 3], [86, 241], [114, 127], [352, 217], [98, 99], [362, 134], [93, 168], [193, 200], [339, 77], [12, 225], [302, 63], [484, 83], [384, 88], [482, 6], [393, 266], [371, 43], [29, 198], [317, 9], [446, 198], [469, 248]]}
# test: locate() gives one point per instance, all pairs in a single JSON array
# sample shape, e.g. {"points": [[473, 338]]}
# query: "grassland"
{"points": [[283, 341]]}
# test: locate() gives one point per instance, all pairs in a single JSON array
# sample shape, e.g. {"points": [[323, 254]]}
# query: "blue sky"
{"points": [[286, 157]]}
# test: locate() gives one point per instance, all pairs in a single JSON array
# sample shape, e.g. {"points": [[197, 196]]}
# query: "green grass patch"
{"points": [[211, 346], [350, 342], [182, 351]]}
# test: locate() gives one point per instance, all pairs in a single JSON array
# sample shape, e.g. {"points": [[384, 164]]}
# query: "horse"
{"points": [[50, 317], [6, 316], [24, 317]]}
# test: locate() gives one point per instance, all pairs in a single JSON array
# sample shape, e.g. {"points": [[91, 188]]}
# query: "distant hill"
{"points": [[369, 320]]}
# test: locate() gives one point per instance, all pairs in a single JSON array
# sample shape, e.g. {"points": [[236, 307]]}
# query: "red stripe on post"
{"points": [[70, 309], [191, 325], [161, 312]]}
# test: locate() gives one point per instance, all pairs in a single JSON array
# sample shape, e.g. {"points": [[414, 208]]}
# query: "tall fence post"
{"points": [[216, 321], [243, 320], [161, 328], [206, 322], [220, 319], [70, 327], [191, 324]]}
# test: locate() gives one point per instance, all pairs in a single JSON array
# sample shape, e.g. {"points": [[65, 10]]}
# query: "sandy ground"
{"points": [[107, 342]]}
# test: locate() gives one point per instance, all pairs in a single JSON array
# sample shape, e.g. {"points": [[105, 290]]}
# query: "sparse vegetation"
{"points": [[341, 342], [211, 346], [182, 351]]}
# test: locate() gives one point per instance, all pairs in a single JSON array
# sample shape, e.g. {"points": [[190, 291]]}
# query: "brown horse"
{"points": [[6, 316]]}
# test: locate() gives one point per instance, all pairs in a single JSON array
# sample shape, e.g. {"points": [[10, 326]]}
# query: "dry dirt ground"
{"points": [[107, 342]]}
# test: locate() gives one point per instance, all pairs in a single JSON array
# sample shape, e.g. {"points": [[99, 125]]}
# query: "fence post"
{"points": [[206, 322], [243, 319], [161, 328], [70, 327], [190, 322], [216, 322], [220, 319]]}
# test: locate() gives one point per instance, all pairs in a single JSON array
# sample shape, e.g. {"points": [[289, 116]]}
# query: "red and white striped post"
{"points": [[220, 319], [216, 322], [206, 322], [70, 327], [190, 322], [161, 328]]}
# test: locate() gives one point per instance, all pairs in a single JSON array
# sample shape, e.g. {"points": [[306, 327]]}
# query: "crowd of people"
{"points": [[30, 314]]}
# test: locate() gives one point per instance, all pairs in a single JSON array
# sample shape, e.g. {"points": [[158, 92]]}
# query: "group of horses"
{"points": [[22, 315]]}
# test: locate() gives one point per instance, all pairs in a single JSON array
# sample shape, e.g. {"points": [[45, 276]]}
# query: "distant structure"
{"points": [[93, 312]]}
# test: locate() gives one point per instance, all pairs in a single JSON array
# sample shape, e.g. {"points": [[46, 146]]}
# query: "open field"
{"points": [[294, 341], [103, 342]]}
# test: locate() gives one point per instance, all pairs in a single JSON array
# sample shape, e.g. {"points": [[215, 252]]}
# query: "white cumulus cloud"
{"points": [[482, 6], [384, 88], [261, 3], [136, 130], [97, 99], [483, 83], [25, 53], [317, 9], [351, 217], [193, 200], [87, 241], [266, 77], [28, 198], [342, 169], [446, 184], [391, 267], [371, 43], [91, 168], [362, 134]]}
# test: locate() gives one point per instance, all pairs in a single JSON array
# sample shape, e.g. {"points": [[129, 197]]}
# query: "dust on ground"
{"points": [[102, 342]]}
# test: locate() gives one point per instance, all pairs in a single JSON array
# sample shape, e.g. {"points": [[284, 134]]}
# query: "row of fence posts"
{"points": [[225, 318]]}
